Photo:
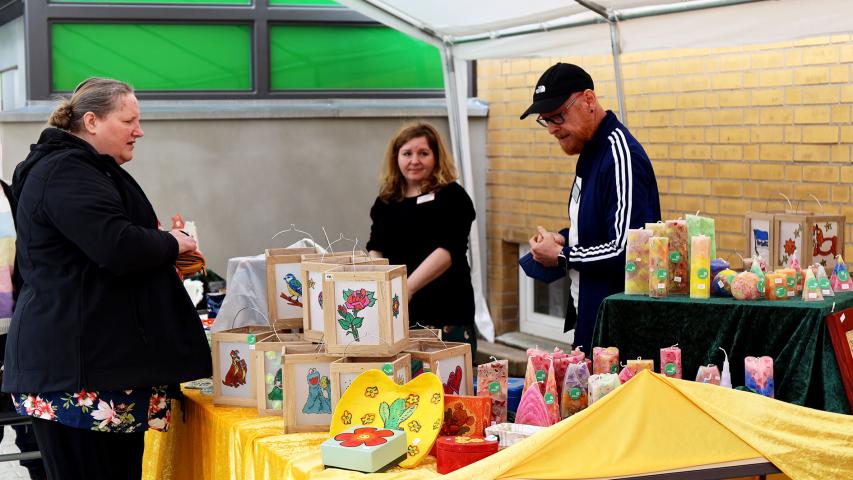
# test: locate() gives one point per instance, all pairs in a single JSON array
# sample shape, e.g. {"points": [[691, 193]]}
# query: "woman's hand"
{"points": [[186, 243]]}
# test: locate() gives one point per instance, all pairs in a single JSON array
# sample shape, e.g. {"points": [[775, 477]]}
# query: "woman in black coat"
{"points": [[102, 323]]}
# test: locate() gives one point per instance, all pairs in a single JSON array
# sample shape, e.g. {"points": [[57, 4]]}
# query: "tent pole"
{"points": [[616, 44]]}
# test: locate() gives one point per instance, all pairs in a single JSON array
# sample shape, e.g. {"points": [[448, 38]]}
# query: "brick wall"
{"points": [[727, 131]]}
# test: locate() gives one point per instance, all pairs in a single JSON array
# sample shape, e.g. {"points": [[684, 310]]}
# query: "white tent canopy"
{"points": [[466, 30]]}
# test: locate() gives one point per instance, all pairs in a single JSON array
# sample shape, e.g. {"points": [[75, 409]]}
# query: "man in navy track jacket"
{"points": [[614, 190]]}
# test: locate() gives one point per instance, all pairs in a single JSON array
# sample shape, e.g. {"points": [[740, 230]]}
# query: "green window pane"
{"points": [[153, 56], [304, 2], [351, 58], [186, 2]]}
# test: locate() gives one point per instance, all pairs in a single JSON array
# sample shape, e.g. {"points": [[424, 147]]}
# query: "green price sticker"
{"points": [[549, 398], [674, 257], [630, 267], [387, 369], [614, 368], [791, 281], [702, 273], [575, 393], [812, 284], [760, 286], [250, 339], [494, 387], [780, 292], [824, 283], [540, 375], [669, 369], [843, 275], [662, 273]]}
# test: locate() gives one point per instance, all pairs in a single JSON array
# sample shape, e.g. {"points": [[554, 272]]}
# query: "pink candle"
{"points": [[641, 364], [679, 268], [492, 379], [626, 374], [605, 360], [670, 361], [758, 374], [708, 374]]}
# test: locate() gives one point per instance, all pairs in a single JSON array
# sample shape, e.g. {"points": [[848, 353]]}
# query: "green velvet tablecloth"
{"points": [[793, 332]]}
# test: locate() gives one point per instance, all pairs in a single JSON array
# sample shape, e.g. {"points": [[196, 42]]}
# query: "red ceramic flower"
{"points": [[368, 436], [358, 300]]}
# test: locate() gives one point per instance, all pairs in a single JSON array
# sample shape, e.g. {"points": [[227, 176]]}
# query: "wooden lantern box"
{"points": [[425, 333], [268, 372], [284, 287], [365, 310], [397, 367], [233, 378], [308, 403], [312, 280], [761, 236], [817, 239], [312, 257], [451, 361]]}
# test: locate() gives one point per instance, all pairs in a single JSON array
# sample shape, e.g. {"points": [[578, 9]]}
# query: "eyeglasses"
{"points": [[556, 119]]}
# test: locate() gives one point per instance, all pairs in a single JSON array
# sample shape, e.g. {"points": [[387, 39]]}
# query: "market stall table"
{"points": [[793, 332]]}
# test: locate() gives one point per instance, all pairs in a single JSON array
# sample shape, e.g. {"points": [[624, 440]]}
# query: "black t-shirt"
{"points": [[406, 232]]}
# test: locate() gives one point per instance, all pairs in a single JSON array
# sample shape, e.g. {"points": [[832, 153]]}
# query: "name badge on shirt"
{"points": [[426, 198], [576, 193]]}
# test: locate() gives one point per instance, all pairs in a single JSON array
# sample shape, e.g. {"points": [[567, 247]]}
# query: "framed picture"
{"points": [[816, 238], [233, 379], [761, 236], [840, 325], [284, 287], [451, 361], [307, 401]]}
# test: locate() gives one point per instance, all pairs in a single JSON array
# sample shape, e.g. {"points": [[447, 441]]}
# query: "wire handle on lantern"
{"points": [[790, 206], [249, 307], [293, 228], [431, 332], [818, 202], [340, 238]]}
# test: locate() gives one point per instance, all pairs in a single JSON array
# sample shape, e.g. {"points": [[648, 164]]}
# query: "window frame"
{"points": [[532, 322]]}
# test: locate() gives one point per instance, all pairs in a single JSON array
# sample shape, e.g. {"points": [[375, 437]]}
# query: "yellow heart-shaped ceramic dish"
{"points": [[417, 408]]}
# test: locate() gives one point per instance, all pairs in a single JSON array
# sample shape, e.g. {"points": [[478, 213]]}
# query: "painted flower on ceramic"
{"points": [[790, 246], [414, 426], [346, 417], [457, 421], [464, 439], [395, 306], [367, 436], [436, 425], [368, 418], [371, 392], [413, 450], [436, 397], [412, 400], [39, 408]]}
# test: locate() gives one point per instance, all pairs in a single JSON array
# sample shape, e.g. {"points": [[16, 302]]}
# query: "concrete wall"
{"points": [[244, 172], [13, 88]]}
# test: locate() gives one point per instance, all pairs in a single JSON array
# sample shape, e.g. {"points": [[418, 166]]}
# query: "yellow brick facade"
{"points": [[727, 131]]}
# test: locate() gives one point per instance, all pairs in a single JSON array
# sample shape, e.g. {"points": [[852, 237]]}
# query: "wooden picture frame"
{"points": [[383, 328], [233, 365], [760, 236], [284, 288], [431, 353], [313, 320], [297, 362], [268, 373], [346, 369], [840, 326], [809, 234]]}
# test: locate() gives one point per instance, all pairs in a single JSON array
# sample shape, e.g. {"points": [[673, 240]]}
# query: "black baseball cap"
{"points": [[556, 85]]}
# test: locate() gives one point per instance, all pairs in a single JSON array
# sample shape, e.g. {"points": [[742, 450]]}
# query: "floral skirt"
{"points": [[121, 411]]}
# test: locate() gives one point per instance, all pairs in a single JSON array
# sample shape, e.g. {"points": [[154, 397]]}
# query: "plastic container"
{"points": [[453, 453], [512, 433], [514, 387]]}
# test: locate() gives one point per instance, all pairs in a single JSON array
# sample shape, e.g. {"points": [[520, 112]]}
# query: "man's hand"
{"points": [[545, 247]]}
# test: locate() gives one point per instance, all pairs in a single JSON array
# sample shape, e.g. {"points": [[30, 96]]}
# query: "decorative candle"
{"points": [[670, 361], [575, 386], [697, 225], [718, 265], [641, 364], [700, 267], [637, 262], [823, 281], [537, 373], [745, 286], [840, 280], [658, 229], [605, 360], [775, 286], [790, 280], [551, 397], [794, 262], [658, 266], [625, 374], [721, 286], [532, 409], [759, 375], [762, 281], [811, 289], [679, 266], [601, 385], [726, 376], [492, 379], [708, 374]]}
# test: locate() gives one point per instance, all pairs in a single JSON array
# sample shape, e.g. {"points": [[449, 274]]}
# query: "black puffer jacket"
{"points": [[101, 306]]}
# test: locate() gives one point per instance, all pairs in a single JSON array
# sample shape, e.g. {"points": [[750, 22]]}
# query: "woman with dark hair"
{"points": [[422, 219], [102, 326]]}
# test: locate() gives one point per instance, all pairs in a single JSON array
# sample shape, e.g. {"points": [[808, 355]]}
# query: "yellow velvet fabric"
{"points": [[651, 424]]}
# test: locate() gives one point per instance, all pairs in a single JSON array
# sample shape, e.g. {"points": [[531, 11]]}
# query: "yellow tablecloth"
{"points": [[230, 443]]}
